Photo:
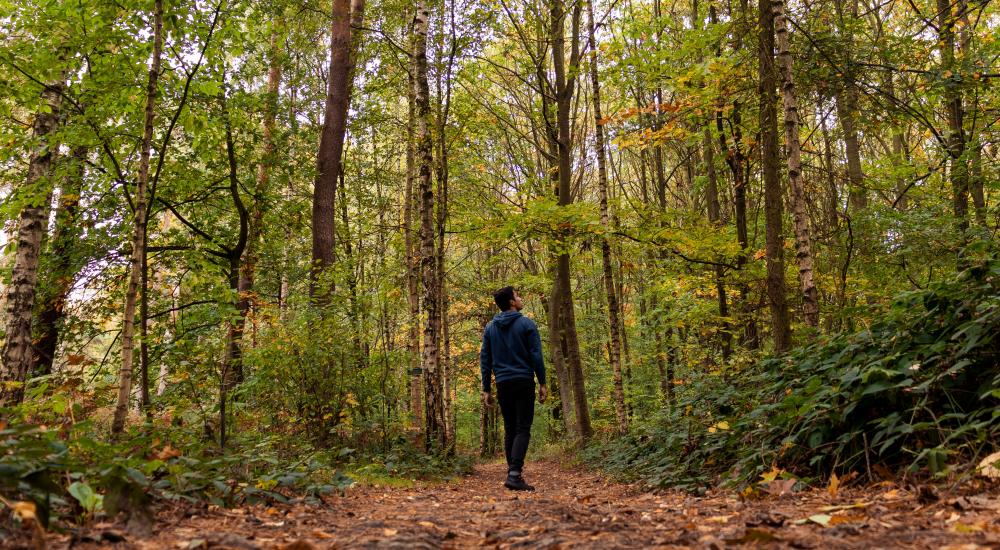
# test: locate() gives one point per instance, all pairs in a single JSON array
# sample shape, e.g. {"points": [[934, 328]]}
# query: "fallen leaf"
{"points": [[966, 528], [273, 524], [166, 453], [840, 507], [426, 524], [24, 510], [390, 532], [822, 519], [989, 467], [781, 487], [891, 494], [834, 485], [847, 518]]}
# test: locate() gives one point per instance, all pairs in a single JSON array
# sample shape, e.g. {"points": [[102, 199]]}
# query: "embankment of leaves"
{"points": [[918, 392], [69, 475]]}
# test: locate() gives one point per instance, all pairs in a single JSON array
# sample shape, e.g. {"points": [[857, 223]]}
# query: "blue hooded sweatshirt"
{"points": [[512, 349]]}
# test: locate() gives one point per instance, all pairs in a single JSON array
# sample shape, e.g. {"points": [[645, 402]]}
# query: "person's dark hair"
{"points": [[504, 297]]}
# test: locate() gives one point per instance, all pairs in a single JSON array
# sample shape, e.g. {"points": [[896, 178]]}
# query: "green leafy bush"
{"points": [[918, 390]]}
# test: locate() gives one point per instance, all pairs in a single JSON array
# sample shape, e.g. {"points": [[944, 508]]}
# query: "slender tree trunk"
{"points": [[847, 111], [17, 348], [774, 241], [614, 349], [434, 424], [255, 228], [139, 228], [63, 269], [412, 269], [948, 15], [558, 361], [232, 363], [976, 186], [331, 148], [565, 85], [800, 213], [715, 209]]}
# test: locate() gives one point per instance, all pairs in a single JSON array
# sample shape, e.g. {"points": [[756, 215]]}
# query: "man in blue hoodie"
{"points": [[512, 353]]}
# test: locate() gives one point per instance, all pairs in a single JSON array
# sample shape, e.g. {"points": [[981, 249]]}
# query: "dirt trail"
{"points": [[580, 509]]}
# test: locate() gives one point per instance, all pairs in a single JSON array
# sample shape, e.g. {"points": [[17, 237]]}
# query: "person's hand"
{"points": [[543, 393], [487, 399]]}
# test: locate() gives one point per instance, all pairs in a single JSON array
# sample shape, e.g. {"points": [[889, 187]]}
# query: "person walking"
{"points": [[512, 353]]}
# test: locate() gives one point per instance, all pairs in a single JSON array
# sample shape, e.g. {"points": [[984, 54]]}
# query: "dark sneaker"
{"points": [[517, 483]]}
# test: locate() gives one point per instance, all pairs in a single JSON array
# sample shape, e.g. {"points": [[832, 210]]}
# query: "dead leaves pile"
{"points": [[578, 509]]}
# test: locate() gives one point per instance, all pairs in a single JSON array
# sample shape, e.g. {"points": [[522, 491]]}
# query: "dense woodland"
{"points": [[246, 236]]}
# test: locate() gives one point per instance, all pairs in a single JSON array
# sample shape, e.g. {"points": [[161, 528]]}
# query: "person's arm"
{"points": [[537, 361], [486, 366]]}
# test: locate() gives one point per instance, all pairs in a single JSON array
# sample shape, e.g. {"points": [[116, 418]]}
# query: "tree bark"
{"points": [[139, 228], [793, 154], [774, 241], [17, 348], [565, 86], [435, 433], [412, 267], [615, 347], [331, 148], [847, 111], [62, 270], [948, 15]]}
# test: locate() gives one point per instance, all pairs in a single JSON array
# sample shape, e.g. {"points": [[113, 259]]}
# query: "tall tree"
{"points": [[17, 348], [614, 350], [63, 261], [434, 413], [564, 90], [774, 241], [847, 108], [331, 147], [949, 14], [139, 227], [793, 156]]}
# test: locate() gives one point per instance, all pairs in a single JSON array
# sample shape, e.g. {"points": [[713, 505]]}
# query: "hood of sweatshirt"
{"points": [[505, 318]]}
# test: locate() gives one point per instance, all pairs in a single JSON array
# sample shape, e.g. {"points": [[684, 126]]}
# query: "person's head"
{"points": [[507, 299]]}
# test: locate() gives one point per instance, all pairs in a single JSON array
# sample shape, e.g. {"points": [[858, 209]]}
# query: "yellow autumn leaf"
{"points": [[25, 510]]}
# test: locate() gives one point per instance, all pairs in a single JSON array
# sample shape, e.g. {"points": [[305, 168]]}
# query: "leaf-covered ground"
{"points": [[574, 508]]}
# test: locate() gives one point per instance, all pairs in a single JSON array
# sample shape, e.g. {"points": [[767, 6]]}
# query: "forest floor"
{"points": [[576, 508]]}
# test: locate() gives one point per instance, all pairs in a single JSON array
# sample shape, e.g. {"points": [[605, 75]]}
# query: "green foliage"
{"points": [[919, 389], [54, 468]]}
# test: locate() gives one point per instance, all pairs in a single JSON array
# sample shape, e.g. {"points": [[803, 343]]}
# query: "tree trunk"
{"points": [[558, 361], [847, 111], [255, 228], [412, 269], [232, 363], [331, 148], [434, 424], [615, 347], [139, 228], [948, 15], [62, 271], [565, 85], [800, 212], [774, 241], [17, 349]]}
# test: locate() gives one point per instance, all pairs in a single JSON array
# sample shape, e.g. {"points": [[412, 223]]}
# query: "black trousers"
{"points": [[517, 405]]}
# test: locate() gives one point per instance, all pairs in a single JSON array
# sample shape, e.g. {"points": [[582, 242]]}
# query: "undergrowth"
{"points": [[916, 393], [72, 474]]}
